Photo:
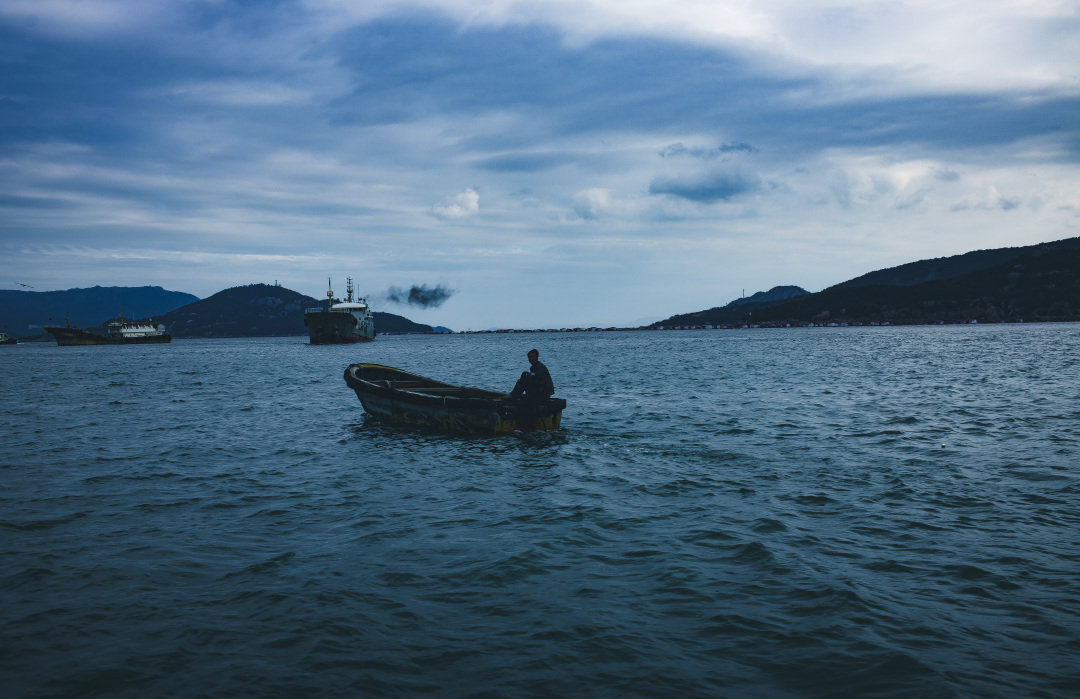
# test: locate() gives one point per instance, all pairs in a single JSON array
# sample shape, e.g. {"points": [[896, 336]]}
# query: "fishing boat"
{"points": [[409, 399], [6, 339], [340, 323], [118, 332]]}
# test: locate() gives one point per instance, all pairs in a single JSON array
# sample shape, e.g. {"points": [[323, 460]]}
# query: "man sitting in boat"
{"points": [[535, 385]]}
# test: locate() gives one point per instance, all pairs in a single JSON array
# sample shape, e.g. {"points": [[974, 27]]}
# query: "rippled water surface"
{"points": [[773, 513]]}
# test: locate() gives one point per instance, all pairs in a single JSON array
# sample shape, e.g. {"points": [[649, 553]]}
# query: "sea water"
{"points": [[767, 513]]}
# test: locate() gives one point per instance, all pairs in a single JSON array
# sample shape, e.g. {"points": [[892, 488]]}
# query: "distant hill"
{"points": [[1042, 284], [25, 313], [389, 323], [737, 310], [777, 293], [1032, 283], [941, 268], [261, 310]]}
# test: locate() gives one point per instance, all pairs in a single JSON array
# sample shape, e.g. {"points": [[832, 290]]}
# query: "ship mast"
{"points": [[348, 288], [329, 294]]}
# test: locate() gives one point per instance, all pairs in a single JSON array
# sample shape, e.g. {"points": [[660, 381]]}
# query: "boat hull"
{"points": [[72, 337], [415, 401], [335, 328]]}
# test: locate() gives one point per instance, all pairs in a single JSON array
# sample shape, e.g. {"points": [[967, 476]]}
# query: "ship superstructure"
{"points": [[340, 323], [126, 330]]}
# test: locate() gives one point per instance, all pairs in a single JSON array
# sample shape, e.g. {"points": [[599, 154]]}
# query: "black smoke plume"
{"points": [[423, 296]]}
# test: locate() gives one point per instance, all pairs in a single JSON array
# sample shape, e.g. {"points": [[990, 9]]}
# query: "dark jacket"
{"points": [[542, 382]]}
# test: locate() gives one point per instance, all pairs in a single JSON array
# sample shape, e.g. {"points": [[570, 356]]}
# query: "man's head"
{"points": [[534, 356]]}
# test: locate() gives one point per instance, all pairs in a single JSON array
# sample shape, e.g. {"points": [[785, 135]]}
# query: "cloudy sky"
{"points": [[561, 163]]}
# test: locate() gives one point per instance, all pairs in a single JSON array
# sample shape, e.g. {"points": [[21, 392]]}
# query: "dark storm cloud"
{"points": [[706, 188], [417, 70], [405, 71]]}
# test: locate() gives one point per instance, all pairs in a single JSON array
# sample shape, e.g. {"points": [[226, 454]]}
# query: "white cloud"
{"points": [[988, 200], [592, 203], [462, 206]]}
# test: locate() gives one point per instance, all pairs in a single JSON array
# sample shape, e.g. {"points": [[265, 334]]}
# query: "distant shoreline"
{"points": [[42, 339]]}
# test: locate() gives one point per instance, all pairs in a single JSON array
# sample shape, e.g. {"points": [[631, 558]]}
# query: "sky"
{"points": [[546, 164]]}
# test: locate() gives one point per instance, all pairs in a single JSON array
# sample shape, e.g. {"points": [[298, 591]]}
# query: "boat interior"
{"points": [[424, 387]]}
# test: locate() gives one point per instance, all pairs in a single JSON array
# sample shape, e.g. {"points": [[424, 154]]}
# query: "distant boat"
{"points": [[409, 399], [121, 332], [6, 339], [340, 323]]}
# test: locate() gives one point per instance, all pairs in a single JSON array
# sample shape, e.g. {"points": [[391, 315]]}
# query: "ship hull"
{"points": [[74, 337], [335, 328]]}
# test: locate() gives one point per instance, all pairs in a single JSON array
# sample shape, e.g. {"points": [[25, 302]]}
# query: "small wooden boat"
{"points": [[409, 399]]}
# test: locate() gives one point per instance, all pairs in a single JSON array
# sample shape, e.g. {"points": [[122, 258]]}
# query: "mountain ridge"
{"points": [[25, 313], [262, 310], [1030, 283], [1041, 285], [777, 293], [253, 310], [941, 268]]}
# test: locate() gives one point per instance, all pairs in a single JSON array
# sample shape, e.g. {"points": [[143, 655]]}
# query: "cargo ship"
{"points": [[340, 323], [121, 332]]}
